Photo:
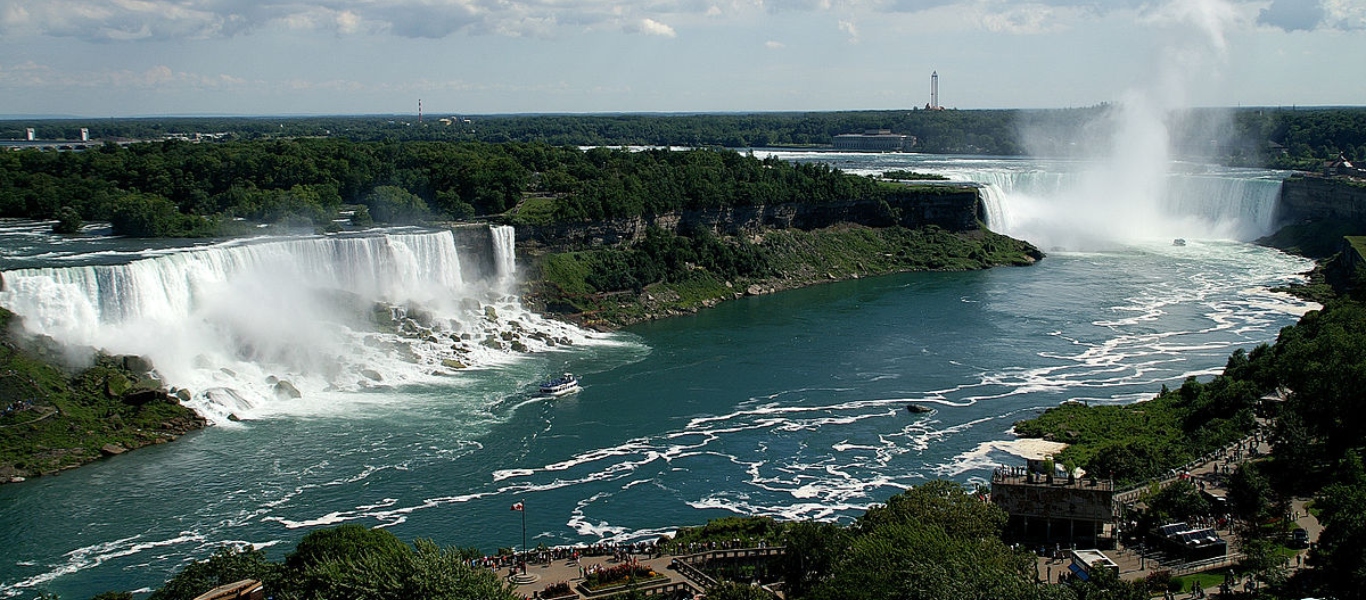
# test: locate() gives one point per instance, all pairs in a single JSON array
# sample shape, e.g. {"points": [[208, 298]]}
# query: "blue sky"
{"points": [[148, 57]]}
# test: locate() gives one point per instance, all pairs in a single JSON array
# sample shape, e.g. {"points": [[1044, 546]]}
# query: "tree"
{"points": [[730, 590], [812, 552], [1339, 557], [68, 221], [344, 543], [228, 564], [391, 204]]}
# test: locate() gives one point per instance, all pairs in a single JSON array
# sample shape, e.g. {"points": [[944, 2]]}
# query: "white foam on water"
{"points": [[323, 314]]}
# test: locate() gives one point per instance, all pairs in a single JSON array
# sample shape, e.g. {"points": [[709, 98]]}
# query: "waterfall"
{"points": [[1076, 209], [504, 251], [325, 313]]}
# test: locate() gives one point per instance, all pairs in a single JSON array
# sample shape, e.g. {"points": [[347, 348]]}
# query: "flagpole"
{"points": [[524, 548]]}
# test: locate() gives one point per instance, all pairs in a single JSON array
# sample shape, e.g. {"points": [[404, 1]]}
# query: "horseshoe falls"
{"points": [[791, 405]]}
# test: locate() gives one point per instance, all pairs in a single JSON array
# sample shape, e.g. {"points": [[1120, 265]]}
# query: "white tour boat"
{"points": [[564, 384]]}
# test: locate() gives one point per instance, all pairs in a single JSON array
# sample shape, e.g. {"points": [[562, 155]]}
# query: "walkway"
{"points": [[570, 571]]}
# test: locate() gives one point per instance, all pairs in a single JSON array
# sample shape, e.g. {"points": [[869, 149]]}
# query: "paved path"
{"points": [[568, 571]]}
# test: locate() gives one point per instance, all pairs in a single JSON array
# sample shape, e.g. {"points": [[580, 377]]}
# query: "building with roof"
{"points": [[873, 140], [1055, 507]]}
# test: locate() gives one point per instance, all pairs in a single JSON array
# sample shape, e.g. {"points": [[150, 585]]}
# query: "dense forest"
{"points": [[177, 188], [1282, 137]]}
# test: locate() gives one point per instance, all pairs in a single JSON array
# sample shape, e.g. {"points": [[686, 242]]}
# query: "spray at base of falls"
{"points": [[1071, 211], [245, 324]]}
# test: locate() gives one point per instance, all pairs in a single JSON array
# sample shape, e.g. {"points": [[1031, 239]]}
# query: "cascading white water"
{"points": [[327, 313], [504, 251], [1061, 209]]}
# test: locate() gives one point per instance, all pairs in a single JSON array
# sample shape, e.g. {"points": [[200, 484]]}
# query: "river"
{"points": [[791, 405]]}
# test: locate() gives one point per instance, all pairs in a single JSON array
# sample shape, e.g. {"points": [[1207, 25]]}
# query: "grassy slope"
{"points": [[800, 257], [59, 420]]}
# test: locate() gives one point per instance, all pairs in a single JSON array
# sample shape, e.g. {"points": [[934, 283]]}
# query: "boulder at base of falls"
{"points": [[286, 390], [137, 364], [451, 363], [372, 374], [141, 397]]}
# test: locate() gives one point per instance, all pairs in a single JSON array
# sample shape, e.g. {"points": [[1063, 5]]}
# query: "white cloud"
{"points": [[774, 45], [1345, 14], [849, 29], [652, 27]]}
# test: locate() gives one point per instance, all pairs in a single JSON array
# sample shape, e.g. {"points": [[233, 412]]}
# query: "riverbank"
{"points": [[794, 258]]}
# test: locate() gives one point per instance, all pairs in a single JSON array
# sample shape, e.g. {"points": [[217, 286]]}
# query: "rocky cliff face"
{"points": [[1313, 199], [954, 209]]}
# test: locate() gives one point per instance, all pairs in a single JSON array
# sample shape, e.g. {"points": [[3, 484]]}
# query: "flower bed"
{"points": [[558, 590], [620, 575]]}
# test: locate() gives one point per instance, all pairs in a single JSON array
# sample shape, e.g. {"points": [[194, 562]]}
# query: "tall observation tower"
{"points": [[934, 90]]}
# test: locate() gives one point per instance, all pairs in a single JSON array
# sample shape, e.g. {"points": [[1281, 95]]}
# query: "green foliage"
{"points": [[1180, 501], [68, 221], [749, 530], [344, 543], [1145, 440], [729, 590], [683, 272], [51, 419], [349, 561], [932, 541], [1339, 557], [1322, 360], [902, 175], [394, 205], [149, 215], [227, 565]]}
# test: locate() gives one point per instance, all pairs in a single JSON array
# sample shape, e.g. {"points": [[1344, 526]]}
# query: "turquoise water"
{"points": [[790, 405]]}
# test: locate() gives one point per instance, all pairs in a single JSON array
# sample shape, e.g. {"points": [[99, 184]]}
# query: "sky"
{"points": [[112, 58]]}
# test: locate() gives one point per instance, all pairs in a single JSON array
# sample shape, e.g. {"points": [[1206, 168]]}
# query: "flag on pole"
{"points": [[517, 506]]}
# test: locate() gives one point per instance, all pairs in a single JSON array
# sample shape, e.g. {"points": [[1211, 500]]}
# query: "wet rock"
{"points": [[451, 363], [372, 374], [141, 397], [286, 390], [490, 313], [137, 364], [112, 449]]}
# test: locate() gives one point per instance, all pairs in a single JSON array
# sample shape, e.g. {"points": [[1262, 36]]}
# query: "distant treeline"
{"points": [[1251, 136], [178, 188]]}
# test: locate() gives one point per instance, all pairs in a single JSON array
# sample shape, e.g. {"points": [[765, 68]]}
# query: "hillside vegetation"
{"points": [[52, 418]]}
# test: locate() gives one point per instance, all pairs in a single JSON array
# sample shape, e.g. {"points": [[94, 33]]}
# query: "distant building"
{"points": [[85, 134], [29, 134], [1343, 167], [1055, 507], [873, 140]]}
